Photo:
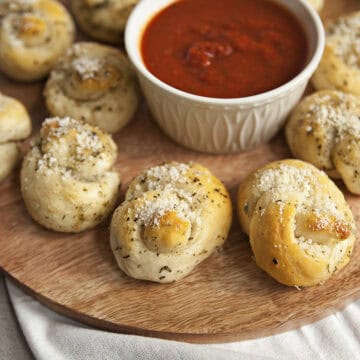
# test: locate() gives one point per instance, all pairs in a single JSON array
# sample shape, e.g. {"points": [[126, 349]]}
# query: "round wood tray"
{"points": [[226, 298]]}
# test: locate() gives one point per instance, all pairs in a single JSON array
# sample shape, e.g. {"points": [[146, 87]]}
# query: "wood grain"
{"points": [[226, 298]]}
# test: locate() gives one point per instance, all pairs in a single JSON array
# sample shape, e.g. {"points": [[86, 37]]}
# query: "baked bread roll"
{"points": [[33, 34], [173, 217], [104, 20], [15, 125], [94, 83], [67, 179], [316, 4], [300, 227], [324, 129], [339, 67]]}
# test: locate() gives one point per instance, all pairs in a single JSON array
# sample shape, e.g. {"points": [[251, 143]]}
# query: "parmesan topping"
{"points": [[287, 183], [65, 140], [345, 35], [312, 248], [87, 67], [174, 194], [339, 114], [167, 172], [169, 177], [20, 5], [286, 180], [86, 137], [49, 164], [16, 8], [152, 210]]}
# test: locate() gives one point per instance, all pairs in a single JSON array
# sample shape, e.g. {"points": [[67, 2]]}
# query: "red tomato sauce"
{"points": [[224, 48]]}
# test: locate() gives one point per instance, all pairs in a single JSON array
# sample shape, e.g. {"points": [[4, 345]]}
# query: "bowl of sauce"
{"points": [[222, 76]]}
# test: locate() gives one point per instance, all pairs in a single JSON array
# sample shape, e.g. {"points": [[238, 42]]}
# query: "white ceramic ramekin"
{"points": [[221, 125]]}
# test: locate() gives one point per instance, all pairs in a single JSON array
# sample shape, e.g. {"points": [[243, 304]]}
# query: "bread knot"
{"points": [[15, 125], [103, 20], [71, 163], [300, 227], [33, 34], [94, 83], [339, 68], [174, 215], [324, 129]]}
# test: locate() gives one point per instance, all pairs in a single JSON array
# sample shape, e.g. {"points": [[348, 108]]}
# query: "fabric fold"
{"points": [[52, 336]]}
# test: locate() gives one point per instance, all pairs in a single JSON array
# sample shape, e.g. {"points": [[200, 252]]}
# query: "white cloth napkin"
{"points": [[51, 336]]}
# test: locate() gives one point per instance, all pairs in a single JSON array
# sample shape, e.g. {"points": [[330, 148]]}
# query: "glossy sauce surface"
{"points": [[224, 49]]}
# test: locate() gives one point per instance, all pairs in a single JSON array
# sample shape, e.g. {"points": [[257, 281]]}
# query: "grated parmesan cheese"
{"points": [[345, 35], [16, 9], [175, 194], [334, 114], [87, 67], [312, 248], [285, 179], [152, 210], [288, 183], [85, 144]]}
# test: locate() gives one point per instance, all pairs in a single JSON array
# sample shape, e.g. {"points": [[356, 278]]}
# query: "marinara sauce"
{"points": [[224, 49]]}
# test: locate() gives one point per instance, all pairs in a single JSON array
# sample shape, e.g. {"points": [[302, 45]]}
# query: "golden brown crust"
{"points": [[174, 216], [300, 228]]}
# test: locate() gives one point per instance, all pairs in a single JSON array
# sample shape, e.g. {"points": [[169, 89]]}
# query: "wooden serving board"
{"points": [[226, 298]]}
